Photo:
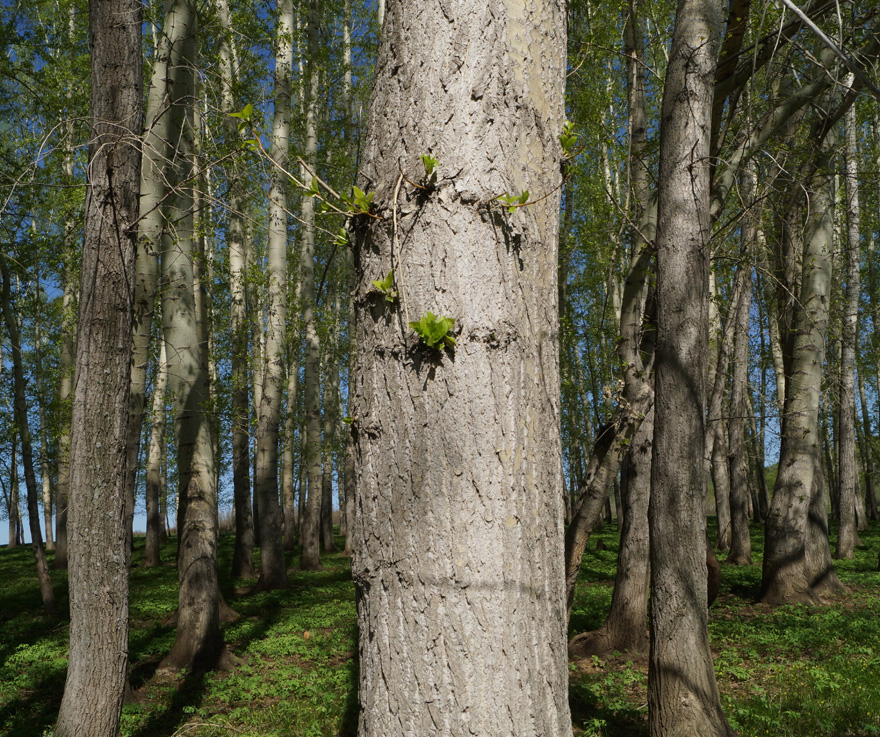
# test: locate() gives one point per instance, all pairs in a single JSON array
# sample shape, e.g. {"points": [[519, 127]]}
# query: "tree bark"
{"points": [[870, 491], [20, 415], [683, 695], [273, 569], [458, 557], [793, 569], [848, 468], [242, 555], [740, 539], [99, 551], [311, 524], [154, 463], [198, 644]]}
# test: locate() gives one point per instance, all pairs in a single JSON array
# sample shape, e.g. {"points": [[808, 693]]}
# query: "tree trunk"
{"points": [[790, 530], [152, 236], [273, 569], [45, 475], [154, 463], [198, 644], [458, 555], [870, 491], [20, 415], [68, 344], [311, 524], [740, 538], [331, 420], [99, 523], [288, 481], [242, 555], [683, 695], [848, 466]]}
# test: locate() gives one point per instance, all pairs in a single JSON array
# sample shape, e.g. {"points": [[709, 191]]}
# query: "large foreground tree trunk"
{"points": [[99, 525], [683, 695], [458, 530]]}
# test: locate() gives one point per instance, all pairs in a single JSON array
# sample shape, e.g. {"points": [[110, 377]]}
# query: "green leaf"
{"points": [[434, 331], [341, 237], [386, 286], [246, 113], [430, 164], [524, 197], [362, 200], [313, 190]]}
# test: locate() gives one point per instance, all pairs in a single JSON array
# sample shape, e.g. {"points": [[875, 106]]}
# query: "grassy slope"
{"points": [[790, 671]]}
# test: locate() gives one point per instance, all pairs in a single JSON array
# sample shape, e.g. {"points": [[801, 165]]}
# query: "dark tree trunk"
{"points": [[20, 414], [683, 695], [458, 529], [99, 525], [153, 474]]}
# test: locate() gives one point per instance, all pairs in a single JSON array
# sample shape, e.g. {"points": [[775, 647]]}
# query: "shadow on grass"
{"points": [[587, 712], [187, 697], [36, 710]]}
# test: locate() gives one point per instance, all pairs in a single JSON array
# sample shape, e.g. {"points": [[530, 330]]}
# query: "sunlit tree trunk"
{"points": [[458, 530], [242, 555], [45, 473], [796, 569], [273, 570], [683, 695], [100, 525], [311, 524], [198, 644], [848, 485]]}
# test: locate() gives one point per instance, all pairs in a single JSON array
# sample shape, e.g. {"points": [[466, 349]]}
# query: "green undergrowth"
{"points": [[790, 671]]}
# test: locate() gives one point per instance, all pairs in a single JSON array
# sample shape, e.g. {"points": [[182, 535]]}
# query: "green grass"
{"points": [[791, 671]]}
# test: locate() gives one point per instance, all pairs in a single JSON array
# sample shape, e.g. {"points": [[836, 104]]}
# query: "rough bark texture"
{"points": [[153, 472], [273, 569], [797, 515], [331, 419], [311, 524], [458, 528], [848, 484], [20, 415], [683, 695], [99, 525], [198, 643]]}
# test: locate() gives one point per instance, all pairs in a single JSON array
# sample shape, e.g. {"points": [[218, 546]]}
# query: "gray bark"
{"points": [[198, 644], [458, 526], [154, 462], [45, 474], [794, 567], [848, 469], [242, 555], [740, 538], [99, 552], [273, 569], [311, 524], [683, 695], [868, 453]]}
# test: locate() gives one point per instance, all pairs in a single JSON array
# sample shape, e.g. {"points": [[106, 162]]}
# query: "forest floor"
{"points": [[791, 671]]}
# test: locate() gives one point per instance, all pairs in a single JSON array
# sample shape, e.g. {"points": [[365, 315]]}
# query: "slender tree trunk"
{"points": [[20, 414], [242, 555], [683, 695], [848, 467], [311, 525], [273, 569], [331, 420], [740, 538], [157, 152], [100, 525], [870, 490], [198, 644], [68, 344], [15, 525], [794, 569], [154, 462], [458, 558], [45, 474], [288, 481]]}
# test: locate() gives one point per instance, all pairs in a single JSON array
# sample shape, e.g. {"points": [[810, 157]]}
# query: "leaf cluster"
{"points": [[435, 331]]}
